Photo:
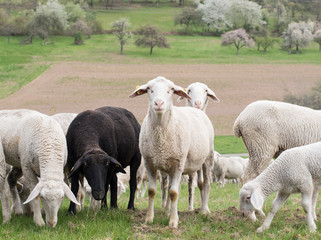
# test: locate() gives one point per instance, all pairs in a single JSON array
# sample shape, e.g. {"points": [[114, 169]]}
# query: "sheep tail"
{"points": [[236, 128]]}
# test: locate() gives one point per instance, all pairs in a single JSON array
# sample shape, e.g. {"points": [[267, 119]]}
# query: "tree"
{"points": [[298, 35], [245, 14], [317, 38], [49, 18], [151, 37], [78, 29], [120, 30], [239, 38], [74, 12], [6, 24], [188, 17], [214, 12]]}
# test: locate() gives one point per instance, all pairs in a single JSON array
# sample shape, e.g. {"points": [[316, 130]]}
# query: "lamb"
{"points": [[35, 143], [101, 143], [175, 140], [228, 168], [296, 170], [268, 128]]}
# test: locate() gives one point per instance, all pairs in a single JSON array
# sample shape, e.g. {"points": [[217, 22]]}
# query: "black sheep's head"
{"points": [[96, 167]]}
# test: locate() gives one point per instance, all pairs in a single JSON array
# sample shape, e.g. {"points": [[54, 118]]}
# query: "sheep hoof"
{"points": [[40, 222], [205, 211], [312, 228], [149, 219], [260, 229], [173, 223], [6, 219]]}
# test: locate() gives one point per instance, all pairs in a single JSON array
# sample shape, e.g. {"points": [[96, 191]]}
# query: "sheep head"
{"points": [[97, 167], [51, 193], [251, 200], [160, 91], [199, 93]]}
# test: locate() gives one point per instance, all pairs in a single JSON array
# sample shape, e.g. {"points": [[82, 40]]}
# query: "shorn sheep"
{"points": [[268, 128], [102, 142], [175, 140], [35, 143], [199, 94], [296, 170]]}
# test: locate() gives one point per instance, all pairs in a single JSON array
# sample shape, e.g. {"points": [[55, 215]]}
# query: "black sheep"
{"points": [[101, 143]]}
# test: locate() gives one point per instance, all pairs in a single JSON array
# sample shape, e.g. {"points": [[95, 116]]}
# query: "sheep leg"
{"points": [[4, 189], [133, 182], [32, 181], [113, 191], [307, 206], [144, 188], [277, 203], [315, 195], [164, 188], [74, 189], [200, 183], [207, 178], [173, 194], [13, 177], [152, 174], [191, 190]]}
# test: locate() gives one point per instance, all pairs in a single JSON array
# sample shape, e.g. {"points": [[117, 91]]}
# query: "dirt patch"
{"points": [[75, 87]]}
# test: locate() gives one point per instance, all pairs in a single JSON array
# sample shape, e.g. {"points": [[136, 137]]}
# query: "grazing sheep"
{"points": [[100, 143], [199, 94], [35, 143], [268, 128], [296, 170], [228, 168], [175, 140]]}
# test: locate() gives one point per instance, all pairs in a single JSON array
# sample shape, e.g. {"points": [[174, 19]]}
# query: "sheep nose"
{"points": [[51, 223], [159, 103], [198, 103]]}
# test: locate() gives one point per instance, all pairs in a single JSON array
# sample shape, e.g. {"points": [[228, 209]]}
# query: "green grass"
{"points": [[229, 145], [224, 221]]}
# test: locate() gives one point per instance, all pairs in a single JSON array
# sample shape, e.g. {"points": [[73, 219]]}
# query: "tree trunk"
{"points": [[237, 51], [319, 47], [8, 38], [258, 46], [121, 48], [151, 51], [290, 50], [297, 47], [91, 4]]}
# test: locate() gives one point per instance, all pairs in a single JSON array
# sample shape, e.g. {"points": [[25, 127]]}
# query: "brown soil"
{"points": [[75, 87]]}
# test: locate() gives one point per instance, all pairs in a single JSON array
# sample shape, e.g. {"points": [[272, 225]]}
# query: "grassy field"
{"points": [[224, 221]]}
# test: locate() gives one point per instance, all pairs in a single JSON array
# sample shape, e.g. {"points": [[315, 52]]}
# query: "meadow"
{"points": [[20, 64]]}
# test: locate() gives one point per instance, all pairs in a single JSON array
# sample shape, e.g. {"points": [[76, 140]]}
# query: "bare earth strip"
{"points": [[75, 87]]}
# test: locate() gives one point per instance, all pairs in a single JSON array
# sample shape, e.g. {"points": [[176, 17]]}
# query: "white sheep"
{"points": [[64, 119], [296, 170], [228, 168], [269, 127], [199, 95], [35, 143], [176, 140]]}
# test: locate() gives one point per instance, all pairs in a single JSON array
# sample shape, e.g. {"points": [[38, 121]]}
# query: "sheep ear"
{"points": [[212, 95], [181, 92], [140, 90], [118, 168], [69, 194], [76, 167], [257, 199], [35, 192]]}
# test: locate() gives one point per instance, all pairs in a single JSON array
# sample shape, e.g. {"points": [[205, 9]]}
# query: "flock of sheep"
{"points": [[50, 157]]}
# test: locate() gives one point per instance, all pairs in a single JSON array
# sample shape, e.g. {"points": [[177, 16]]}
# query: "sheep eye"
{"points": [[189, 91], [206, 90]]}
